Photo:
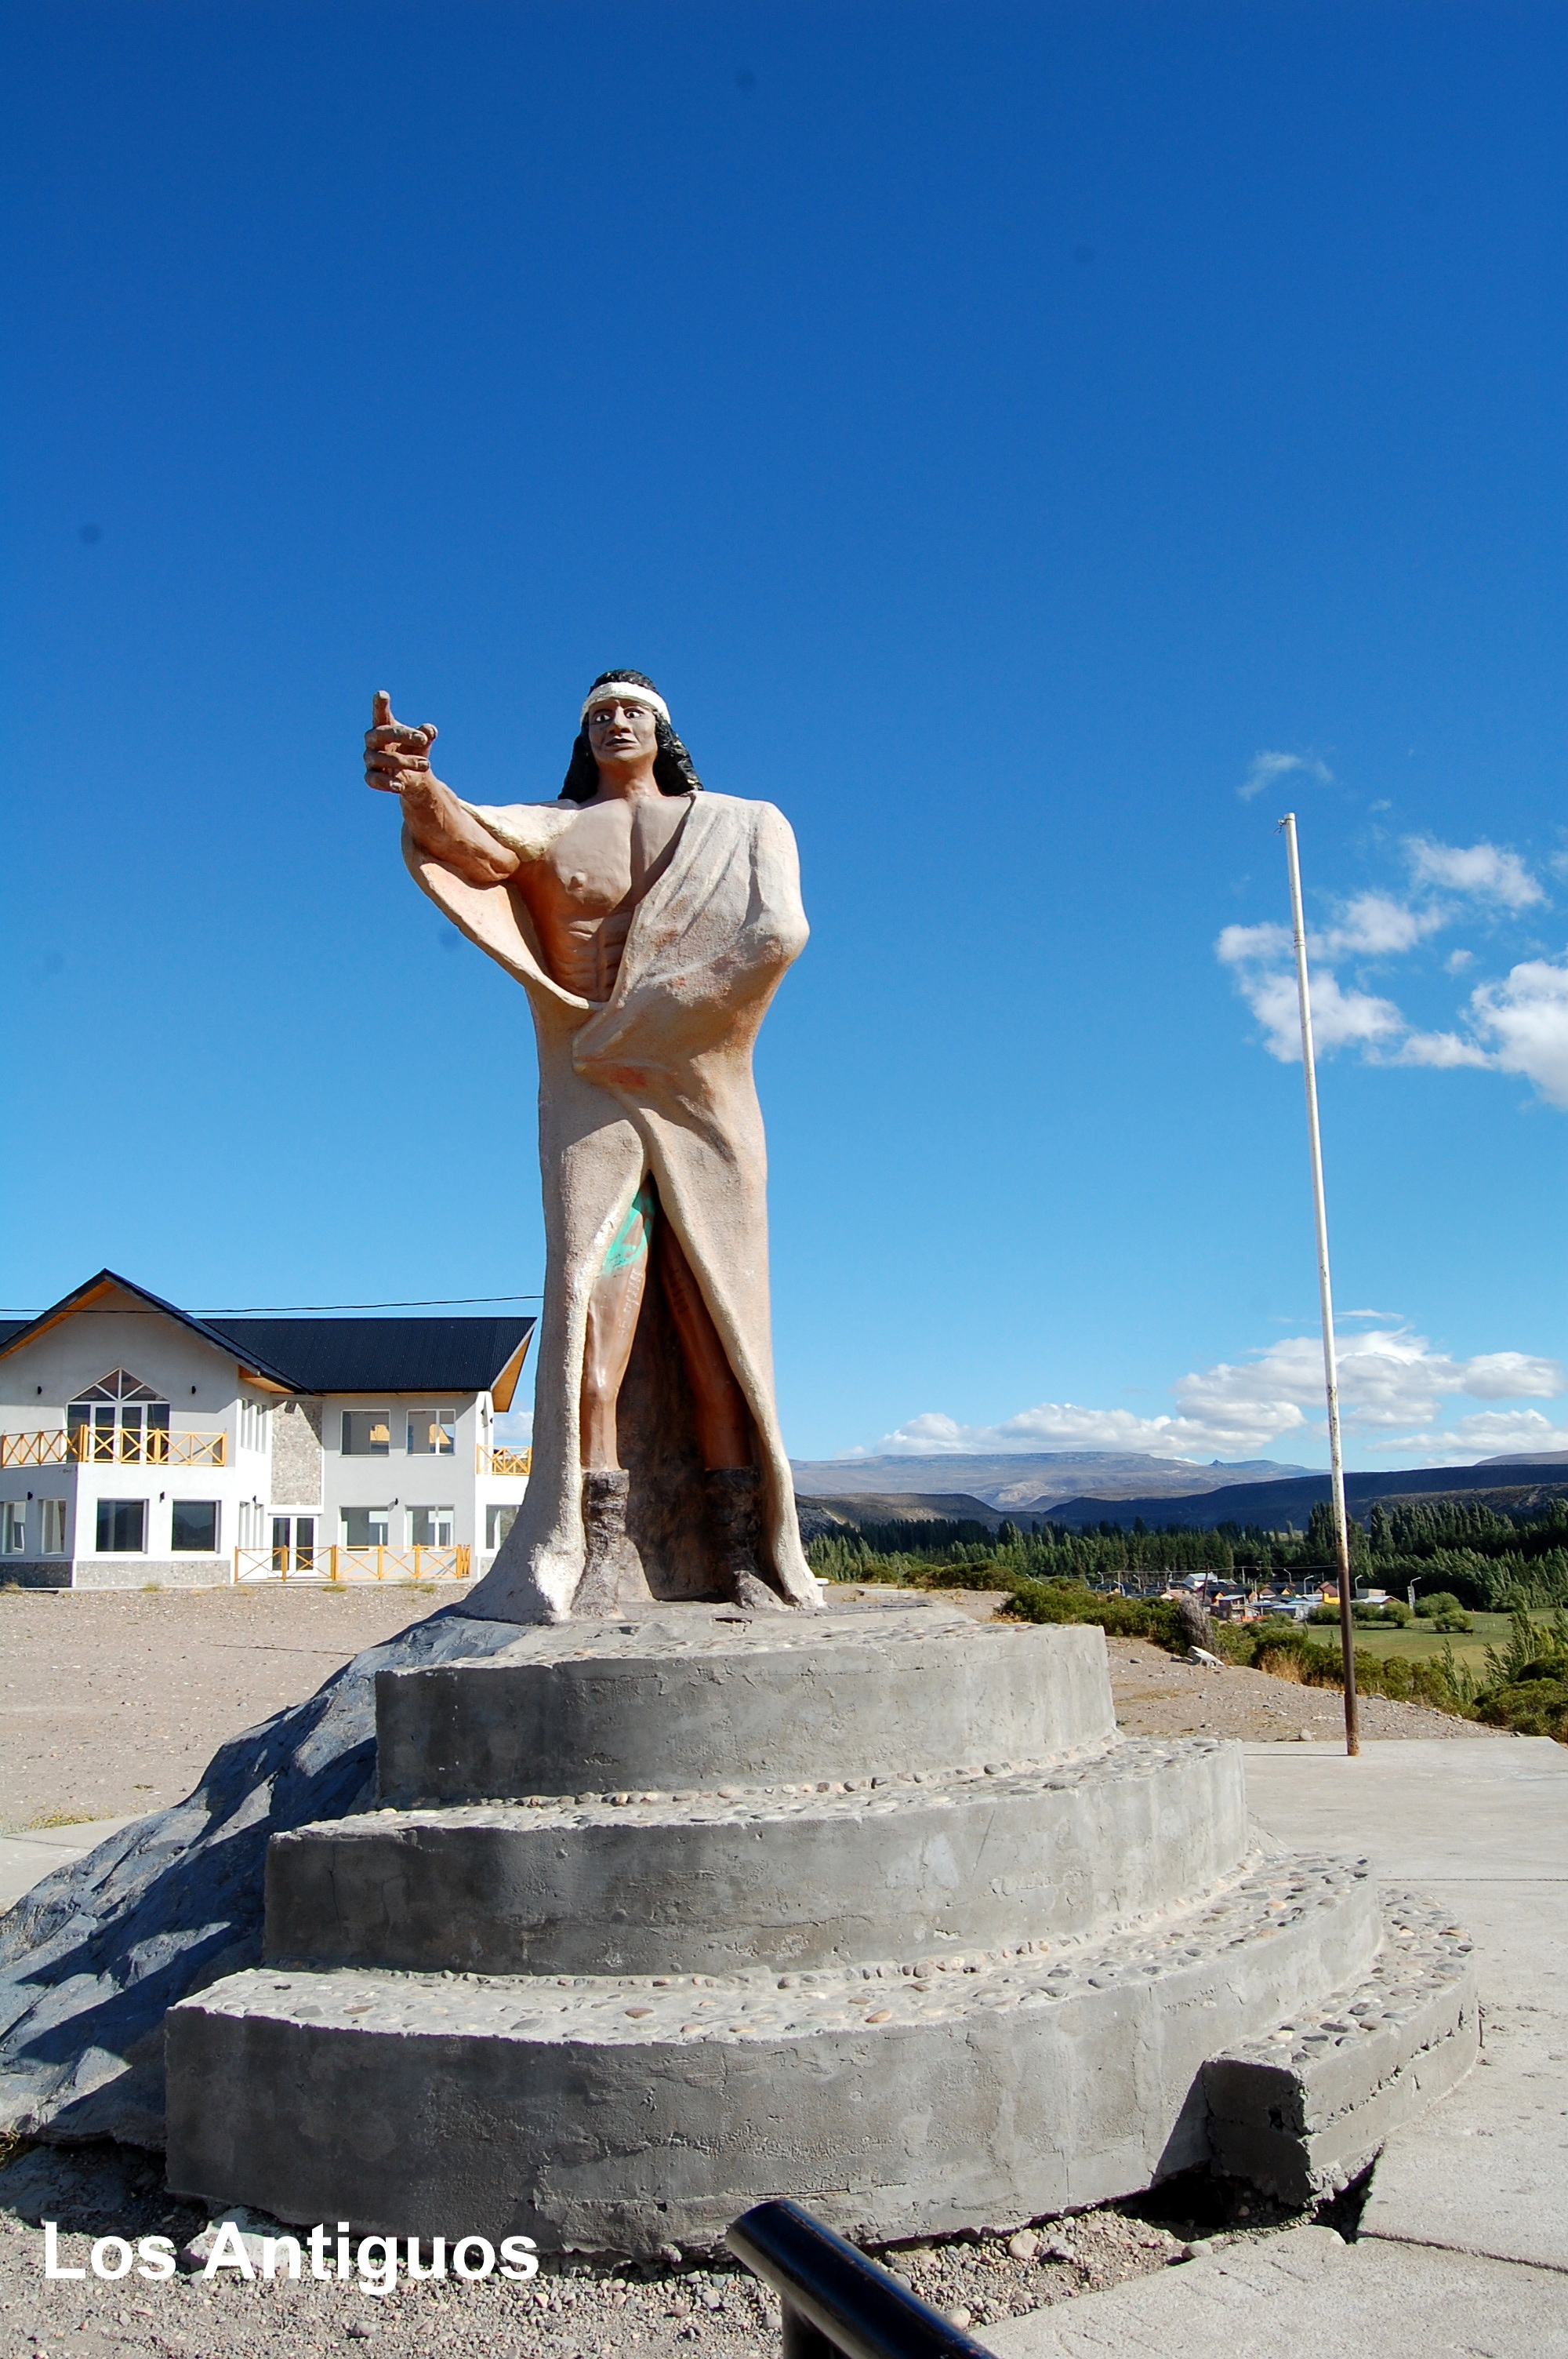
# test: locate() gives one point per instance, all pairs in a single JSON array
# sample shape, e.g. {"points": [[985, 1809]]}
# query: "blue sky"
{"points": [[1034, 447]]}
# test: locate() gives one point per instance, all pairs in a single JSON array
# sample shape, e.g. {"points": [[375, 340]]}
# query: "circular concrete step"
{"points": [[788, 1875], [702, 1697], [616, 2114]]}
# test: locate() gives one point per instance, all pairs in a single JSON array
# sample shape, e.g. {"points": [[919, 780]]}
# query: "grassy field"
{"points": [[1490, 1630]]}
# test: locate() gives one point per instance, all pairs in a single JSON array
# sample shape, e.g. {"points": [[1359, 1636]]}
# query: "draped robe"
{"points": [[657, 1079]]}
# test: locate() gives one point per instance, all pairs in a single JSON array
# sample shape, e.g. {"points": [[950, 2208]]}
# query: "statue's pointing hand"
{"points": [[396, 757], [397, 761]]}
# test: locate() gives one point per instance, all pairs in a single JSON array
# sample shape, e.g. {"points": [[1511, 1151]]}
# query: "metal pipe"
{"points": [[836, 2300], [1325, 1298]]}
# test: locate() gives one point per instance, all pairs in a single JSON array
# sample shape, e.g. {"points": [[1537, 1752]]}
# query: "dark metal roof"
{"points": [[390, 1355], [333, 1356]]}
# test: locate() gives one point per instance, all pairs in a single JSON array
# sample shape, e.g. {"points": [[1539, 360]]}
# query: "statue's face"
{"points": [[619, 729]]}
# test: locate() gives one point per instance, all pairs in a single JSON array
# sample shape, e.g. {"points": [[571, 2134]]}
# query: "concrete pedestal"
{"points": [[874, 1908]]}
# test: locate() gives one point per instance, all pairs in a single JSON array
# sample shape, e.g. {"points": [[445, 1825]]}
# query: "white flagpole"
{"points": [[1325, 1298]]}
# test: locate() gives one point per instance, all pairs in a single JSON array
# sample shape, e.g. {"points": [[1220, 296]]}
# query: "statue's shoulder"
{"points": [[527, 829], [737, 811]]}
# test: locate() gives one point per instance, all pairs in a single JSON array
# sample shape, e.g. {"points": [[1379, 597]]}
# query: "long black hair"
{"points": [[673, 772]]}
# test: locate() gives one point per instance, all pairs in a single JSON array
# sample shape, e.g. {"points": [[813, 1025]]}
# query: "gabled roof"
{"points": [[107, 1282], [391, 1356], [330, 1355]]}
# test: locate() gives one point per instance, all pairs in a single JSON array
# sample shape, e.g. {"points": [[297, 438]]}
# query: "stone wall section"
{"points": [[147, 1572], [37, 1572], [297, 1453]]}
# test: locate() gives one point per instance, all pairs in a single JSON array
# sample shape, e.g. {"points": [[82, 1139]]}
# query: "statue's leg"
{"points": [[732, 1484], [613, 1309], [723, 1420], [613, 1570]]}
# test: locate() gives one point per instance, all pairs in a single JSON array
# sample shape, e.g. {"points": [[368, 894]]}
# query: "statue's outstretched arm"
{"points": [[397, 761]]}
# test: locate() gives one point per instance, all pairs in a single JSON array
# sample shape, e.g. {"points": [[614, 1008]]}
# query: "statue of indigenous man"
{"points": [[650, 924]]}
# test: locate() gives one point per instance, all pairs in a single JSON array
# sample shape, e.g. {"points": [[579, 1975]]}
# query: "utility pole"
{"points": [[1325, 1298]]}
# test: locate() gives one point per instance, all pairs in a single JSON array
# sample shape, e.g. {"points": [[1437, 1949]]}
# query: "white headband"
{"points": [[624, 691]]}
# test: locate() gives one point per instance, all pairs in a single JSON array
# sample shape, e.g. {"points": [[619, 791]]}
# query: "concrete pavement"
{"points": [[1306, 2295], [1462, 2245]]}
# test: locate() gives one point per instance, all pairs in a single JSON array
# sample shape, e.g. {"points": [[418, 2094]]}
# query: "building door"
{"points": [[293, 1544]]}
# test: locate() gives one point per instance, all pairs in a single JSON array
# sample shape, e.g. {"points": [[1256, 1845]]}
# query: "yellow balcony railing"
{"points": [[343, 1564], [112, 1446], [503, 1461]]}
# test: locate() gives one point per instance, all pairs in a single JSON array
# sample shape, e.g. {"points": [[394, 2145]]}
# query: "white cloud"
{"points": [[1513, 1376], [514, 1429], [1052, 1425], [1338, 1017], [1443, 1049], [1385, 1379], [1269, 768], [1481, 869], [1237, 1410], [1239, 944], [1526, 1016], [1374, 926], [1488, 1434], [1518, 1025]]}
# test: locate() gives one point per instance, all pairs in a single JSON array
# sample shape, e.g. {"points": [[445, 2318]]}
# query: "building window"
{"points": [[120, 1421], [196, 1528], [122, 1526], [253, 1424], [430, 1526], [252, 1521], [366, 1528], [498, 1522], [13, 1528], [367, 1433], [51, 1514], [432, 1433]]}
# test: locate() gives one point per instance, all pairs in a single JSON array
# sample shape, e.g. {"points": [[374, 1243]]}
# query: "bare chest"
{"points": [[608, 856]]}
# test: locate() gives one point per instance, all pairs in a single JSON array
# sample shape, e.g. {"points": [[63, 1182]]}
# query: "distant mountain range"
{"points": [[1093, 1487], [1286, 1506], [1030, 1482], [820, 1517]]}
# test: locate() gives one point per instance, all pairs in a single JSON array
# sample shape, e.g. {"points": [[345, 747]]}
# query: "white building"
{"points": [[140, 1445]]}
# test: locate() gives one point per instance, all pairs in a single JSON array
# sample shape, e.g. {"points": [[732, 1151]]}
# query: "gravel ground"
{"points": [[1158, 1695], [588, 2308], [111, 1702]]}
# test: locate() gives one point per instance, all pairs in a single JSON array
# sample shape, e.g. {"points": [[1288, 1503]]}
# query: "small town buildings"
{"points": [[141, 1445]]}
